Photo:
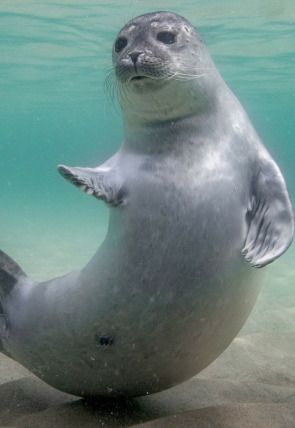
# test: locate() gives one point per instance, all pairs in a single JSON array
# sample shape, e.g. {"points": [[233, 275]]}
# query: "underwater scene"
{"points": [[58, 107]]}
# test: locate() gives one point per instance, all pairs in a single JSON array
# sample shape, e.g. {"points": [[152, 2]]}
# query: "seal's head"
{"points": [[162, 67]]}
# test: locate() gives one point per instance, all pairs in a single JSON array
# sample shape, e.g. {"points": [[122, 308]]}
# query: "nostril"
{"points": [[134, 56]]}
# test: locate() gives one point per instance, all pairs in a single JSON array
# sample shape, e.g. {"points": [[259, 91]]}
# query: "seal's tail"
{"points": [[10, 274]]}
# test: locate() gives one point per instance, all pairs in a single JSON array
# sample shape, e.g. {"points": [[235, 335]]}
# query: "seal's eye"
{"points": [[166, 37], [120, 44]]}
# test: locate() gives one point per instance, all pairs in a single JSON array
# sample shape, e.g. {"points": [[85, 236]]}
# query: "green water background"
{"points": [[54, 108]]}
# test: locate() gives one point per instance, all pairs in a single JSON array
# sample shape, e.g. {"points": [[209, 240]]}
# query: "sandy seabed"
{"points": [[252, 384]]}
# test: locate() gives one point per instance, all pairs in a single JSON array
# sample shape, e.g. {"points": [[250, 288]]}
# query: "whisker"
{"points": [[110, 87], [184, 76]]}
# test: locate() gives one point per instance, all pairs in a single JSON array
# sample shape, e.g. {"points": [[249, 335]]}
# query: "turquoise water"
{"points": [[54, 109]]}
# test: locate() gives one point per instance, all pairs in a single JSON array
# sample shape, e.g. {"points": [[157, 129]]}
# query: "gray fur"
{"points": [[191, 187]]}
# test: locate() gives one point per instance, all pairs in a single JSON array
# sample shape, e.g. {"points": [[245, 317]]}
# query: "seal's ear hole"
{"points": [[186, 29]]}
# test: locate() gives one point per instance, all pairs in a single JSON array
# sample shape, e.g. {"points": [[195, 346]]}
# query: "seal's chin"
{"points": [[140, 83]]}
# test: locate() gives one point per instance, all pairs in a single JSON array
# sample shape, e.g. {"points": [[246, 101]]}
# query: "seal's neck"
{"points": [[164, 136], [156, 119], [198, 114]]}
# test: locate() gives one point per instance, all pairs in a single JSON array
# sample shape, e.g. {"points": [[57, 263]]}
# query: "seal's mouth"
{"points": [[137, 78]]}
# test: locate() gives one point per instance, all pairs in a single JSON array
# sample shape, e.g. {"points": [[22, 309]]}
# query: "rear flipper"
{"points": [[10, 275]]}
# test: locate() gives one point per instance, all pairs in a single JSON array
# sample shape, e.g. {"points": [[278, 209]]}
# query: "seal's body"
{"points": [[193, 196]]}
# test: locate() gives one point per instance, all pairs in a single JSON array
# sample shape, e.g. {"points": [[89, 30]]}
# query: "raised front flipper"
{"points": [[271, 221], [102, 182]]}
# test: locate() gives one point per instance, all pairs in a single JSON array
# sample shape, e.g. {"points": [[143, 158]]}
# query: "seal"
{"points": [[196, 205]]}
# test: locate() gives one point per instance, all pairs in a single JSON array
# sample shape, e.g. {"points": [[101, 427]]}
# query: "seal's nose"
{"points": [[134, 56]]}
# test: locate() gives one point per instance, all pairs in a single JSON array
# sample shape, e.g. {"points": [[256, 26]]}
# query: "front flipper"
{"points": [[271, 221], [100, 182]]}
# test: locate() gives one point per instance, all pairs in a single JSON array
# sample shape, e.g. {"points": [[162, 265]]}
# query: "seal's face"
{"points": [[161, 56], [154, 47]]}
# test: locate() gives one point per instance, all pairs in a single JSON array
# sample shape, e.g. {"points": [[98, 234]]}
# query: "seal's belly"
{"points": [[171, 247], [177, 290], [181, 222], [177, 286]]}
